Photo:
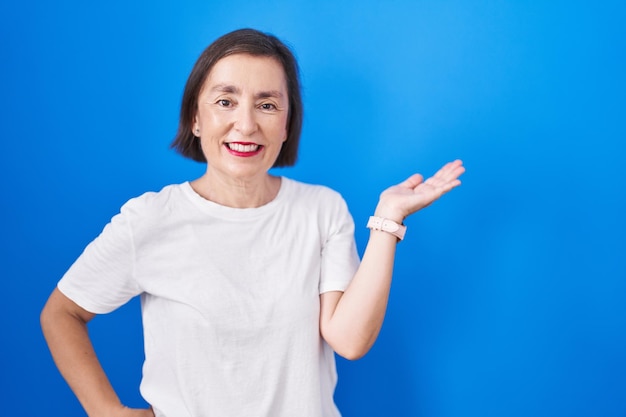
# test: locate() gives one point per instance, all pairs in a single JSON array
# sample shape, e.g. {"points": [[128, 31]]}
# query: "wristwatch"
{"points": [[386, 225]]}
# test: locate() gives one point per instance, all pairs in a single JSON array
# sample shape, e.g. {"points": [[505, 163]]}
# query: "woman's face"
{"points": [[242, 115]]}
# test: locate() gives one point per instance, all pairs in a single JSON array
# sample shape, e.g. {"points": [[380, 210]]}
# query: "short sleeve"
{"points": [[340, 259], [101, 279]]}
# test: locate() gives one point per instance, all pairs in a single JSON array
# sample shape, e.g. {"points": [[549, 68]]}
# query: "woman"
{"points": [[249, 282]]}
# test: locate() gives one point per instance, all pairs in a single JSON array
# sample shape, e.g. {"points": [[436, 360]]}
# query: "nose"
{"points": [[245, 120]]}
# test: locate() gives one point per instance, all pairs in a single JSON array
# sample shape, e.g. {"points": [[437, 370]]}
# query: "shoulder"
{"points": [[316, 201], [312, 192], [154, 202]]}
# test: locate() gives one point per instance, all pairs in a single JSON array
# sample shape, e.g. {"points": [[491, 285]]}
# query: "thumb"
{"points": [[413, 181]]}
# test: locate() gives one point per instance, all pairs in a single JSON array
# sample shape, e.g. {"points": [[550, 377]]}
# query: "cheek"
{"points": [[213, 124], [283, 129]]}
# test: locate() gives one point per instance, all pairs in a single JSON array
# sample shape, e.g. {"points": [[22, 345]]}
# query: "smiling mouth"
{"points": [[241, 147], [244, 148]]}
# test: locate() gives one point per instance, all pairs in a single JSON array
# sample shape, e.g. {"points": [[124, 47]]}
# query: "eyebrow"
{"points": [[231, 89]]}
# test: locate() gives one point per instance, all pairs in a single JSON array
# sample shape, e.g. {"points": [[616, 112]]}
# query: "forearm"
{"points": [[74, 355], [350, 322]]}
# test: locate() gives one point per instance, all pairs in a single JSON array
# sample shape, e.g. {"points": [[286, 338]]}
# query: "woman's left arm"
{"points": [[350, 321]]}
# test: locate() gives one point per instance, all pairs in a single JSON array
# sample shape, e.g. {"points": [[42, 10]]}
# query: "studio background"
{"points": [[509, 293]]}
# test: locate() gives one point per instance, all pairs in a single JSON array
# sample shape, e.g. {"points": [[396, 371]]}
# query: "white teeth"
{"points": [[238, 147]]}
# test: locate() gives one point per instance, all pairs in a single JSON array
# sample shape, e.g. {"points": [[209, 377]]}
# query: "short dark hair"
{"points": [[242, 41]]}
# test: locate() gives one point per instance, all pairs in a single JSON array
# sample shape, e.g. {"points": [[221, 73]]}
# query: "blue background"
{"points": [[509, 293]]}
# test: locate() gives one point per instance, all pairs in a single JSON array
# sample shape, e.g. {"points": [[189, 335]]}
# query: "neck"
{"points": [[237, 193]]}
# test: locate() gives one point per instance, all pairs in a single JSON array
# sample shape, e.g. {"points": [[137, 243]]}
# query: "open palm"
{"points": [[413, 194]]}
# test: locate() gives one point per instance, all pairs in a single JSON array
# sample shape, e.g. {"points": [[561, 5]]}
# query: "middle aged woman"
{"points": [[248, 281]]}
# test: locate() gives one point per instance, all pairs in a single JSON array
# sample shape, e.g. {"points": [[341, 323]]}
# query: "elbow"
{"points": [[60, 312], [47, 320], [350, 349], [44, 318], [347, 343], [352, 354]]}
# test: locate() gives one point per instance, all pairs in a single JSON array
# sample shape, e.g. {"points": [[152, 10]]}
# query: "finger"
{"points": [[450, 185], [450, 171], [450, 167], [412, 182], [443, 185]]}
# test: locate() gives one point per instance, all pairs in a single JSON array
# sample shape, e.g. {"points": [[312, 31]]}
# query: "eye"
{"points": [[224, 102], [268, 106]]}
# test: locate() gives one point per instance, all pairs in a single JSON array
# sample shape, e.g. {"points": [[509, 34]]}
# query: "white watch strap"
{"points": [[386, 225]]}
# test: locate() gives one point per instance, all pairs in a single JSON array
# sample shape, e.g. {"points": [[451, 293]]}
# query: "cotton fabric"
{"points": [[230, 297]]}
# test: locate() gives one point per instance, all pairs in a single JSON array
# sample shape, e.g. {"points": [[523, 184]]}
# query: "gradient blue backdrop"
{"points": [[509, 293]]}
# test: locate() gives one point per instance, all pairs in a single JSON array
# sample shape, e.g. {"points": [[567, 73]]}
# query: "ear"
{"points": [[195, 126]]}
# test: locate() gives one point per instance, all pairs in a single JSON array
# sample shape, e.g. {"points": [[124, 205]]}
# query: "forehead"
{"points": [[249, 71]]}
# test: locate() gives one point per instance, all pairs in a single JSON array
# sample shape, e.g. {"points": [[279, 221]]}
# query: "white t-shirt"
{"points": [[230, 297]]}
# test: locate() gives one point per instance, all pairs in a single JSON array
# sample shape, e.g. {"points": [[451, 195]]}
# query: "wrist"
{"points": [[388, 213], [386, 225]]}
